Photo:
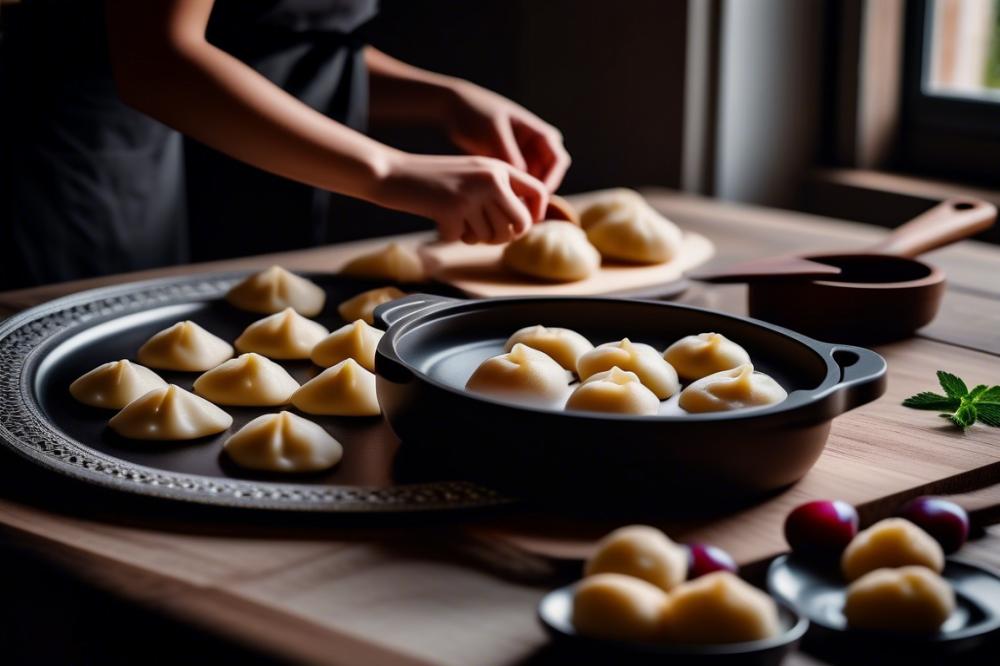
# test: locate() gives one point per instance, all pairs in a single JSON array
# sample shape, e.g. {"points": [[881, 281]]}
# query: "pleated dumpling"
{"points": [[616, 391], [113, 385], [562, 344], [274, 289], [283, 442], [554, 251], [363, 305], [731, 389], [654, 372], [623, 226], [358, 341], [169, 413], [249, 380], [697, 356], [393, 262], [346, 389], [522, 375], [285, 335], [185, 346]]}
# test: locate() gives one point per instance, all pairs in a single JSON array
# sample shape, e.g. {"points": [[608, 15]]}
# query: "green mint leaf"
{"points": [[952, 385], [976, 392], [928, 400], [989, 414], [990, 395], [965, 415]]}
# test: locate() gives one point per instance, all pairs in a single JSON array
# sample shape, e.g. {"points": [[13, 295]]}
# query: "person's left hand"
{"points": [[482, 122]]}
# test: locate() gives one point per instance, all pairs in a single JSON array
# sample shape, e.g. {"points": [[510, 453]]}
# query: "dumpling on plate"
{"points": [[363, 305], [357, 340], [113, 385], [654, 372], [285, 335], [562, 344], [697, 356], [274, 289], [719, 608], [623, 226], [185, 346], [346, 389], [554, 251], [737, 388], [169, 413], [615, 391], [393, 262], [283, 442], [522, 375], [249, 380]]}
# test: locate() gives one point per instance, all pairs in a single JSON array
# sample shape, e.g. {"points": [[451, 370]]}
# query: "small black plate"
{"points": [[818, 594], [555, 612]]}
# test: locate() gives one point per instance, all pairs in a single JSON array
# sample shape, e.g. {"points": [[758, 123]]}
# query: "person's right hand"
{"points": [[475, 199]]}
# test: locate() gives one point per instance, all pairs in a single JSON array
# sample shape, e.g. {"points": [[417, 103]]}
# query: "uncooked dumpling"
{"points": [[697, 356], [623, 226], [908, 599], [283, 442], [169, 413], [363, 305], [615, 391], [346, 389], [250, 380], [285, 335], [641, 551], [617, 607], [731, 389], [358, 341], [523, 375], [393, 262], [113, 385], [657, 375], [562, 344], [274, 289], [892, 542], [556, 251], [719, 608], [185, 346]]}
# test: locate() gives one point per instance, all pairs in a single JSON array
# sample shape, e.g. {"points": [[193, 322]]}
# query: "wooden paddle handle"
{"points": [[948, 222]]}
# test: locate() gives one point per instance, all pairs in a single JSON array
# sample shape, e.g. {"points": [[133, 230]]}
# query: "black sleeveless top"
{"points": [[89, 186]]}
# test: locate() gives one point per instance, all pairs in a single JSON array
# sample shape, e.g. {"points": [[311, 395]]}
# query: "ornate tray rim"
{"points": [[24, 429]]}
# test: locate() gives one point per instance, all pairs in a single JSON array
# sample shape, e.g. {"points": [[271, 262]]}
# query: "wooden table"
{"points": [[462, 589]]}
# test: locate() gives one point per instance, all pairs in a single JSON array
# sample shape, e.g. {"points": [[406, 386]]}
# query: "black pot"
{"points": [[433, 344]]}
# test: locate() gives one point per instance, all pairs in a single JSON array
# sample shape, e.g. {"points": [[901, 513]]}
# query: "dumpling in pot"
{"points": [[393, 262], [697, 356], [554, 251], [358, 341], [113, 385], [616, 391], [363, 305], [285, 335], [250, 380], [654, 372], [274, 289], [731, 389], [562, 344], [522, 375], [283, 442], [169, 413], [346, 389], [623, 226], [185, 346]]}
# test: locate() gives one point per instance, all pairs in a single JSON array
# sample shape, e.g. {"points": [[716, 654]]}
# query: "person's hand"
{"points": [[475, 199], [482, 122]]}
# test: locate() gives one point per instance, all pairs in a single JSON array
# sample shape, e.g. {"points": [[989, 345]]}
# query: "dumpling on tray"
{"points": [[113, 385], [654, 372], [169, 413], [697, 356], [285, 335], [346, 389], [522, 375], [363, 305], [249, 380], [357, 340], [623, 226], [554, 251], [393, 262], [185, 346], [274, 289], [562, 344], [737, 388], [615, 391], [283, 442]]}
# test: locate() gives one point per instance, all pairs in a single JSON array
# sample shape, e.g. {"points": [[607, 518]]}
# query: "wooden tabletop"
{"points": [[461, 589]]}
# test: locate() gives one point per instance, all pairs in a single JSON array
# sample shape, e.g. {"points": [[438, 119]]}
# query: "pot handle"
{"points": [[393, 312], [948, 222], [862, 374]]}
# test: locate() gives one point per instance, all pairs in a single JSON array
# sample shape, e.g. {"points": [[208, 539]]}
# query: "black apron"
{"points": [[89, 186]]}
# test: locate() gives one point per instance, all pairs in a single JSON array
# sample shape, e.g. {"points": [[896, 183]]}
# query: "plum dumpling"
{"points": [[357, 340], [719, 608], [394, 262], [113, 385], [737, 388], [249, 380], [346, 389], [185, 346], [274, 289], [522, 375], [622, 226], [697, 356], [654, 372], [565, 346], [553, 251], [363, 305], [169, 413], [285, 335], [283, 442], [893, 542], [908, 599], [614, 391]]}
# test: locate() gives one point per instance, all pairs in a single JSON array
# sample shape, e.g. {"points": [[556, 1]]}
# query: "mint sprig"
{"points": [[960, 405]]}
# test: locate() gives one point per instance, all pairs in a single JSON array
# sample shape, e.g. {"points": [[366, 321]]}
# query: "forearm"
{"points": [[404, 94]]}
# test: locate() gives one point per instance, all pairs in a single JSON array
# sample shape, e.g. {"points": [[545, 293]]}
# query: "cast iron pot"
{"points": [[433, 344]]}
